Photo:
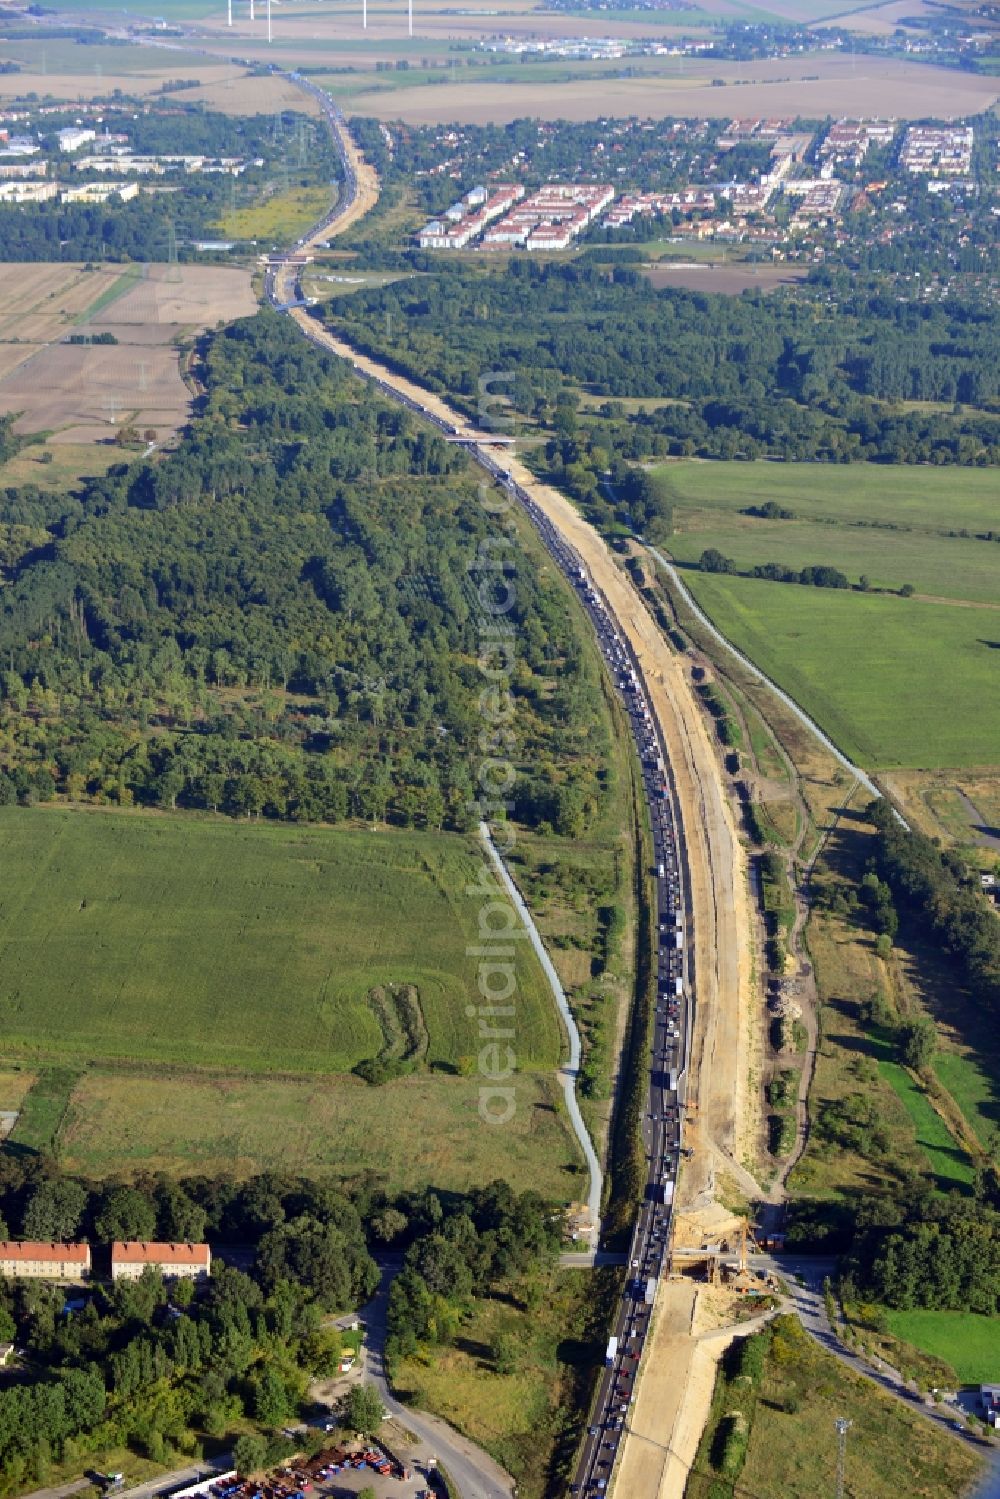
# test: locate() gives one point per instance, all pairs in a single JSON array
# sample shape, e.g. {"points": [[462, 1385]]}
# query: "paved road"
{"points": [[804, 1276], [569, 1074], [175, 1480], [475, 1474]]}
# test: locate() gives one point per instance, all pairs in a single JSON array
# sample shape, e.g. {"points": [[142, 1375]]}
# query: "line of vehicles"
{"points": [[674, 1006]]}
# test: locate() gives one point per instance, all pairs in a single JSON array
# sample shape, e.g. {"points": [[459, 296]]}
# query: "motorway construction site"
{"points": [[674, 1392]]}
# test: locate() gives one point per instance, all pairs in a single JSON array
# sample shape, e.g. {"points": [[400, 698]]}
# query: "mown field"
{"points": [[415, 1130], [926, 498], [886, 523], [894, 682], [202, 944], [970, 1343], [944, 567]]}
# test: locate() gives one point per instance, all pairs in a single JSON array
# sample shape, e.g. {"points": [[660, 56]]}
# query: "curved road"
{"points": [[473, 1472], [567, 1075]]}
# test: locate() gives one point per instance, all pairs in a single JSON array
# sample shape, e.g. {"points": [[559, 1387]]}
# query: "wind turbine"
{"points": [[268, 22], [230, 12], [409, 12]]}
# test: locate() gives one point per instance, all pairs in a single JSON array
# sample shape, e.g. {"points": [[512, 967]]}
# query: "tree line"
{"points": [[935, 886], [145, 227]]}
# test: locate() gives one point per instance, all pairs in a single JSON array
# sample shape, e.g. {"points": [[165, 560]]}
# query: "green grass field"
{"points": [[420, 1129], [970, 1343], [947, 567], [904, 495], [950, 1165], [894, 682], [210, 944], [974, 1084]]}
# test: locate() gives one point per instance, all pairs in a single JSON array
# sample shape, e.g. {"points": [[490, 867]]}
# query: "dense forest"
{"points": [[141, 229], [936, 888], [282, 617], [927, 1251], [811, 373], [165, 1371]]}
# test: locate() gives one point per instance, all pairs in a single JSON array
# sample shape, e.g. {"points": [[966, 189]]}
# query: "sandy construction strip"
{"points": [[673, 1398], [717, 1088]]}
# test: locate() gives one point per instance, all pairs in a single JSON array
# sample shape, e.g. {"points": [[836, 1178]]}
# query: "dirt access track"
{"points": [[718, 1085]]}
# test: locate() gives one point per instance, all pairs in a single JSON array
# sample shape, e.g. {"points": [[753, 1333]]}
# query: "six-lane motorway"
{"points": [[674, 1007]]}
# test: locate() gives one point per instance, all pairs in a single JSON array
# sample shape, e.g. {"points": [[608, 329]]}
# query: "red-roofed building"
{"points": [[129, 1258], [44, 1260]]}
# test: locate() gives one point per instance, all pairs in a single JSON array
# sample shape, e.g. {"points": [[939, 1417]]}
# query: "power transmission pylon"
{"points": [[843, 1427], [173, 269]]}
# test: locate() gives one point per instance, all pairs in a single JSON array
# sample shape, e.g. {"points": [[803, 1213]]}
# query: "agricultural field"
{"points": [[204, 944], [813, 84], [940, 567], [792, 1451], [968, 1342], [78, 395], [839, 654], [921, 499], [890, 525], [117, 1123], [62, 69]]}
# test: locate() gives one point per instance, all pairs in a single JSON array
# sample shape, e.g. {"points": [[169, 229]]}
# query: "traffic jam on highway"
{"points": [[662, 1126]]}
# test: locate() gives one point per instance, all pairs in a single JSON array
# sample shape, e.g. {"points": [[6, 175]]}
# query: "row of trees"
{"points": [[935, 886], [818, 575]]}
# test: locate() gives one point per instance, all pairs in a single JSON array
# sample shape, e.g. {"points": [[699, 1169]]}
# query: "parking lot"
{"points": [[335, 1472]]}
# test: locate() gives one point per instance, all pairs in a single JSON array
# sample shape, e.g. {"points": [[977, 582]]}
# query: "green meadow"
{"points": [[894, 682], [905, 495], [968, 1342], [202, 944]]}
